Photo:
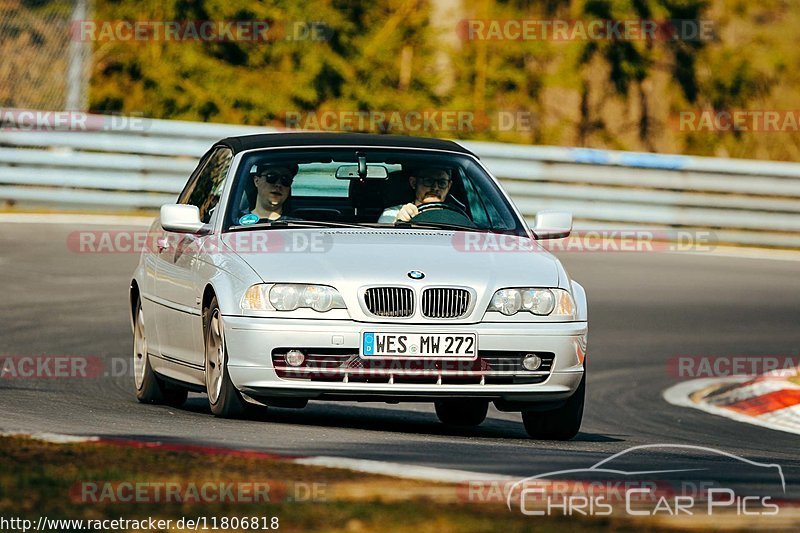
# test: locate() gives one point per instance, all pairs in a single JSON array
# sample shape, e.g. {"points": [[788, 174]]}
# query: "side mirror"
{"points": [[181, 218], [552, 224]]}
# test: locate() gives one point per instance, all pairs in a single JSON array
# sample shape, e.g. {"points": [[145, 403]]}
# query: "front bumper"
{"points": [[251, 340]]}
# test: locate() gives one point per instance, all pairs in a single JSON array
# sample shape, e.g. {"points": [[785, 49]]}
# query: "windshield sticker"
{"points": [[249, 218]]}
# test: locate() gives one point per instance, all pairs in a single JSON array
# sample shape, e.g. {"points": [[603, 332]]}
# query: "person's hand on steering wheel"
{"points": [[440, 205], [410, 211], [407, 212]]}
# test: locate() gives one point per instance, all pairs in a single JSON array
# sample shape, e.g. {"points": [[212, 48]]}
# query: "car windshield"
{"points": [[369, 187]]}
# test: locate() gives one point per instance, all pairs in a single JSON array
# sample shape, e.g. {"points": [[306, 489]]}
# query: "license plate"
{"points": [[377, 344]]}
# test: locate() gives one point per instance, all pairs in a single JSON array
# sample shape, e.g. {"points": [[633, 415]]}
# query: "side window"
{"points": [[487, 205], [207, 188], [476, 205], [192, 182]]}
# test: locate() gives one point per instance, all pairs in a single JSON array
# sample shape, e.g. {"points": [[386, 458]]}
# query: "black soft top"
{"points": [[288, 140]]}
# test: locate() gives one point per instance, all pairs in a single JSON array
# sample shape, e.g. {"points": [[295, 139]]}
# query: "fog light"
{"points": [[532, 362], [294, 358]]}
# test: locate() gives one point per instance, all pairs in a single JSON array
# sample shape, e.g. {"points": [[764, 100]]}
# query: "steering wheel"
{"points": [[442, 212], [441, 205]]}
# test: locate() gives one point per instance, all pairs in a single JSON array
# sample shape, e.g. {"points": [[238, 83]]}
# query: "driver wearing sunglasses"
{"points": [[431, 185], [274, 184]]}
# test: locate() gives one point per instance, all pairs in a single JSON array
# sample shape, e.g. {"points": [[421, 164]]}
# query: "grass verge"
{"points": [[96, 480]]}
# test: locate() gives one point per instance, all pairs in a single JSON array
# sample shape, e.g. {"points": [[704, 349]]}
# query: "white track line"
{"points": [[55, 438], [396, 470], [749, 253], [76, 218], [404, 471], [679, 395]]}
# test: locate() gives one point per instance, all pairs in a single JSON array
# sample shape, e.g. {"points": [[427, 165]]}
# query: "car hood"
{"points": [[374, 256]]}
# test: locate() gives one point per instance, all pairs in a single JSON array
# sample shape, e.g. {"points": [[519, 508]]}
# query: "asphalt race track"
{"points": [[644, 309]]}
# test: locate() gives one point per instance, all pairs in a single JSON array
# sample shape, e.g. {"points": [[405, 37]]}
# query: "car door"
{"points": [[150, 307], [180, 322]]}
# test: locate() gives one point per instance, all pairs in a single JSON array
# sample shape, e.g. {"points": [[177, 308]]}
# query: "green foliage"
{"points": [[406, 55]]}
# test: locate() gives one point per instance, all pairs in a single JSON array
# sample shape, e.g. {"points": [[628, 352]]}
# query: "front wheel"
{"points": [[462, 412], [149, 389], [559, 424], [223, 398]]}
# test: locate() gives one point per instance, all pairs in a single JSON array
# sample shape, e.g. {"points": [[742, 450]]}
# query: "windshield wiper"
{"points": [[439, 225], [294, 223]]}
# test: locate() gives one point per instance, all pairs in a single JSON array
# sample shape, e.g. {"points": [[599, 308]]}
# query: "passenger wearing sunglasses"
{"points": [[430, 185], [274, 184]]}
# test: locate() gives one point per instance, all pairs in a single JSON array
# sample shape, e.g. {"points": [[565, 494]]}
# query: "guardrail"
{"points": [[742, 201]]}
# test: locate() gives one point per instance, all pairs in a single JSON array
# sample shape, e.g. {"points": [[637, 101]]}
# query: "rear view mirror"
{"points": [[350, 172], [181, 218], [552, 224]]}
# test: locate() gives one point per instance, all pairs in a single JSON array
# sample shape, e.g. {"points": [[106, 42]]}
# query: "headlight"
{"points": [[288, 297], [256, 298], [542, 302], [285, 297], [507, 301]]}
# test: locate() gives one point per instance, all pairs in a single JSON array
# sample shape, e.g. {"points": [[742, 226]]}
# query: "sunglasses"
{"points": [[272, 178], [440, 183]]}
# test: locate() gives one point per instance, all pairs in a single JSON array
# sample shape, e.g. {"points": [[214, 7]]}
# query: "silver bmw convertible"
{"points": [[349, 267]]}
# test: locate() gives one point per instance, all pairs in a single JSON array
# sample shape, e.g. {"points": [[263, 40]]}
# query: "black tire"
{"points": [[462, 412], [228, 403], [559, 424], [151, 389]]}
